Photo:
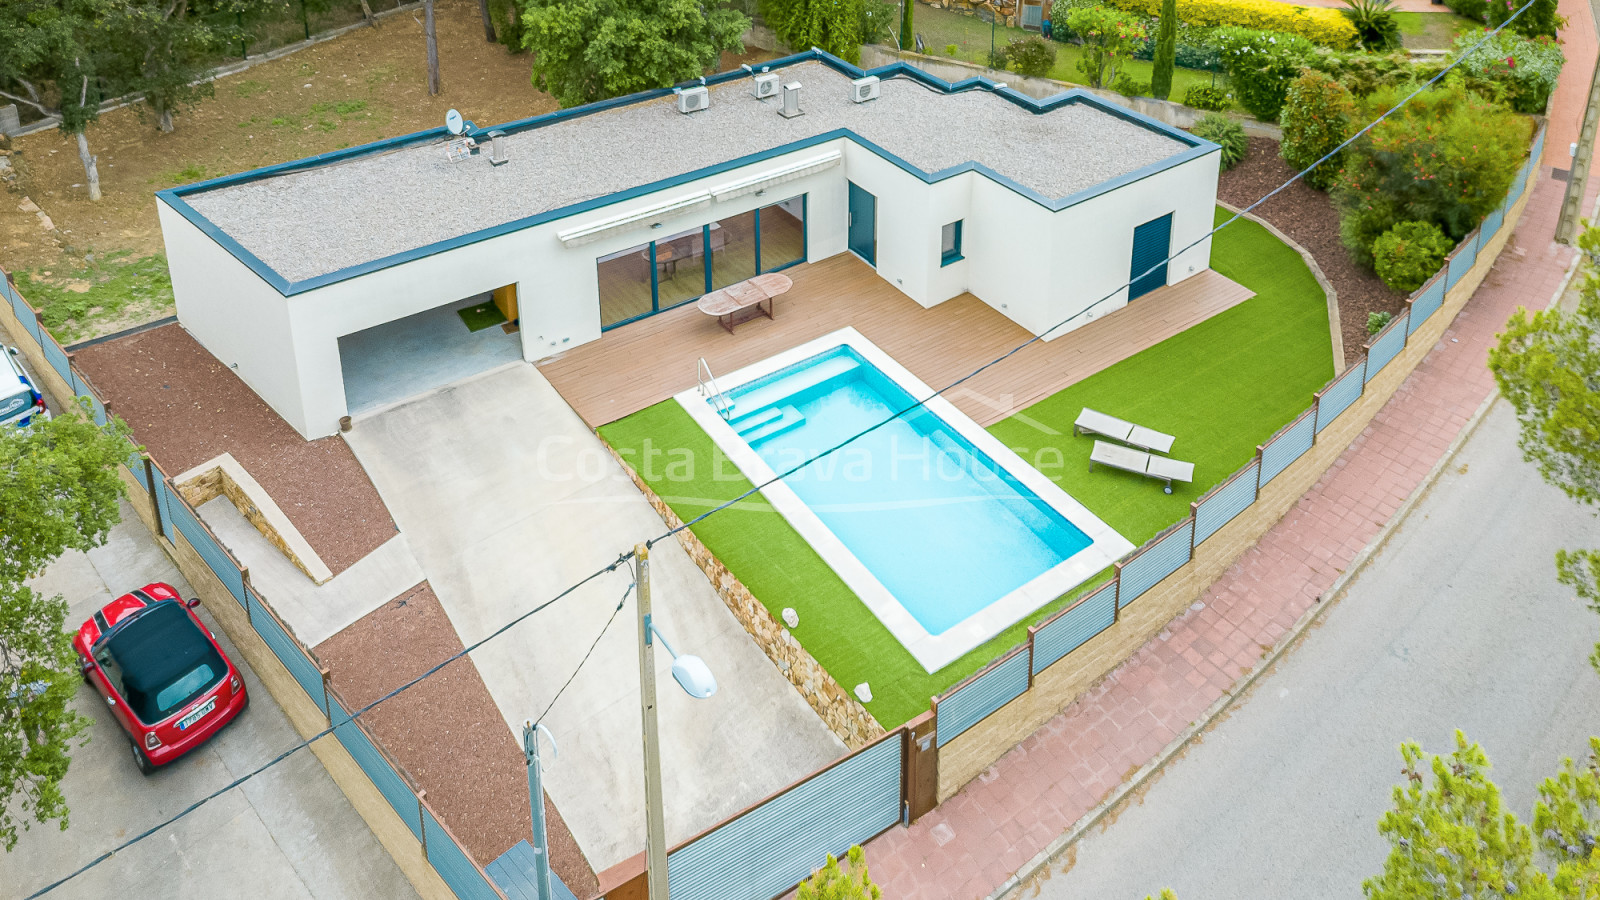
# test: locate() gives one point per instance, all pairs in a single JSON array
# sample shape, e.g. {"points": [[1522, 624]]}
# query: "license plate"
{"points": [[197, 715]]}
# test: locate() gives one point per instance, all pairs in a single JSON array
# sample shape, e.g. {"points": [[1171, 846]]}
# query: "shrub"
{"points": [[877, 21], [1204, 96], [1225, 133], [1109, 38], [1375, 24], [1261, 64], [1318, 115], [833, 883], [1509, 68], [1447, 157], [1362, 73], [1031, 55], [952, 49], [1323, 26], [507, 16], [1470, 9], [828, 25], [998, 58], [1540, 20], [1376, 321], [1166, 51], [1130, 86], [1193, 50], [1408, 254]]}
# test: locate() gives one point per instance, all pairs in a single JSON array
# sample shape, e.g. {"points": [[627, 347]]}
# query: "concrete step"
{"points": [[788, 421]]}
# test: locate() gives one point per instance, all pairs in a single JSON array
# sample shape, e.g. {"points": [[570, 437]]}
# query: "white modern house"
{"points": [[327, 282]]}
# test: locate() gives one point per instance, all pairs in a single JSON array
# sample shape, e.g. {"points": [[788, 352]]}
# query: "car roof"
{"points": [[156, 645]]}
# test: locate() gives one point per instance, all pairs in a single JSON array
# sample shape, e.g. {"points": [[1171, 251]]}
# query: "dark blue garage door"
{"points": [[1152, 241]]}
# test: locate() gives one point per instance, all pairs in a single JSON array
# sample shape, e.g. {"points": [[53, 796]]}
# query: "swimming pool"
{"points": [[944, 533]]}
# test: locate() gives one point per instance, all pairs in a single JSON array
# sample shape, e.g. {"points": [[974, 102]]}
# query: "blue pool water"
{"points": [[940, 524]]}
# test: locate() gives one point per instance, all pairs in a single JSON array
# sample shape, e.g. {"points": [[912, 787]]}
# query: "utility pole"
{"points": [[541, 837], [655, 824]]}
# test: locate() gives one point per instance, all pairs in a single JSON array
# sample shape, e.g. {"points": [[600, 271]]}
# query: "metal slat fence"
{"points": [[1341, 394], [1289, 445], [1425, 304], [1388, 345], [971, 701], [1225, 501], [1161, 557], [402, 799], [288, 651], [1461, 263], [772, 847], [1491, 225], [217, 558], [460, 874], [1054, 638]]}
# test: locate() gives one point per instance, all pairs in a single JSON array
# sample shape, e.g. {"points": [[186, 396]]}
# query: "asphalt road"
{"points": [[1458, 623]]}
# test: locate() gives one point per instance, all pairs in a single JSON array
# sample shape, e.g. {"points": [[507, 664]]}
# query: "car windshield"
{"points": [[165, 661]]}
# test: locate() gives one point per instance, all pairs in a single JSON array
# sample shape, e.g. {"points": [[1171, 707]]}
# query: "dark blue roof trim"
{"points": [[1198, 147]]}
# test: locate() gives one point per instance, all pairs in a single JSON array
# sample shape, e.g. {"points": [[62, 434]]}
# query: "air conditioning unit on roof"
{"points": [[693, 99], [864, 89], [765, 85]]}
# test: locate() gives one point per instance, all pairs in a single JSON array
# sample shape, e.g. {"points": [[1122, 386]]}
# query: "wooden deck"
{"points": [[641, 364]]}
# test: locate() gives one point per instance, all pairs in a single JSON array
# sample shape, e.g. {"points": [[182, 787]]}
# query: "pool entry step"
{"points": [[766, 423]]}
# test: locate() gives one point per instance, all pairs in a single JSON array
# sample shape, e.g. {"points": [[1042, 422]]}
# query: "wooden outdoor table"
{"points": [[756, 293]]}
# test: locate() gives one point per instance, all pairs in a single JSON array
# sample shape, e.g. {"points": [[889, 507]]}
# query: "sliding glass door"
{"points": [[676, 269]]}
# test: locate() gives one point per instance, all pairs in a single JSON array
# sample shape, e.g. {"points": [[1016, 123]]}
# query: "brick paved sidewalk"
{"points": [[979, 838]]}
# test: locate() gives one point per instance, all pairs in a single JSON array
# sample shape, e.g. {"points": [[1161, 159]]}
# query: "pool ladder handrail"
{"points": [[719, 400]]}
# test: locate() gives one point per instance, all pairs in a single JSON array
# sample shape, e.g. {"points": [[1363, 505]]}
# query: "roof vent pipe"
{"points": [[497, 148], [791, 101]]}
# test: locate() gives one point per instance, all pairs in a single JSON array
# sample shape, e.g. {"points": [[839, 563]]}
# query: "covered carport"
{"points": [[395, 361]]}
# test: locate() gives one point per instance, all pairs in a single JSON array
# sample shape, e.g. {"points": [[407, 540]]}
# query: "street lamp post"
{"points": [[541, 839], [696, 680]]}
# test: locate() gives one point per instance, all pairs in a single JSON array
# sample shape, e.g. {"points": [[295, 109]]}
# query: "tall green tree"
{"points": [[831, 25], [50, 59], [587, 50], [1548, 366], [1166, 54], [58, 492], [908, 40], [163, 49]]}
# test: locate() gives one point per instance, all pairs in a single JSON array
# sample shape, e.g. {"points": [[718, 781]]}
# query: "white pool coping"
{"points": [[933, 651]]}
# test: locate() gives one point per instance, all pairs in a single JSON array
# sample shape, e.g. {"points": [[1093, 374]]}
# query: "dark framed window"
{"points": [[950, 244], [676, 269]]}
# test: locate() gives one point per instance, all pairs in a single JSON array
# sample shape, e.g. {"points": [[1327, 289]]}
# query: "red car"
{"points": [[161, 671]]}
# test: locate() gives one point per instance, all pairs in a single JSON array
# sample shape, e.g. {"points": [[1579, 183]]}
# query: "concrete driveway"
{"points": [[1458, 623], [505, 498], [288, 833]]}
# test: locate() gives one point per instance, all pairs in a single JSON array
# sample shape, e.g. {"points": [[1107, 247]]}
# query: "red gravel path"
{"points": [[187, 407], [447, 731], [1307, 216]]}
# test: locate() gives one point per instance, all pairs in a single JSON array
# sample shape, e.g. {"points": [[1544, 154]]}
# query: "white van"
{"points": [[20, 401]]}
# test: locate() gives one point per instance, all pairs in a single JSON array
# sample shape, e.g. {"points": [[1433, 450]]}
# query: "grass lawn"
{"points": [[1431, 30], [1222, 387], [941, 27]]}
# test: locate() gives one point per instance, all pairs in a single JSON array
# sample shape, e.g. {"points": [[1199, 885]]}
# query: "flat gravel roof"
{"points": [[314, 222]]}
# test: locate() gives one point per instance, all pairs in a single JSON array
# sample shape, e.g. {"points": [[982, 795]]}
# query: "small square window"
{"points": [[950, 244]]}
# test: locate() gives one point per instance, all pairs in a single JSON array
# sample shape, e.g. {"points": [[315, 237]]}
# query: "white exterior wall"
{"points": [[1032, 265], [234, 314]]}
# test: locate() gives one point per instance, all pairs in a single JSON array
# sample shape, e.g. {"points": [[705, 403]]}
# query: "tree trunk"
{"points": [[91, 166], [433, 48], [366, 12], [488, 21]]}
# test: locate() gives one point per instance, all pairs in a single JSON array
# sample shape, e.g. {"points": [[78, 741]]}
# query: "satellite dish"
{"points": [[453, 122]]}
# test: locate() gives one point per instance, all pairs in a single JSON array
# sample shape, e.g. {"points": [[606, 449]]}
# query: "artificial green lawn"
{"points": [[1221, 387]]}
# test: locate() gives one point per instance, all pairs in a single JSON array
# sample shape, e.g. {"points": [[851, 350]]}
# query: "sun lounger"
{"points": [[1094, 422], [1158, 467]]}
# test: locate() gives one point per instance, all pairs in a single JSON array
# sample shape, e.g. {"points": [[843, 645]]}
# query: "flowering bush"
{"points": [[1515, 70], [1261, 65], [1318, 115], [1408, 254], [1109, 38], [1323, 26], [1031, 55], [1541, 19], [1204, 96], [1362, 72], [1225, 133], [1447, 157]]}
